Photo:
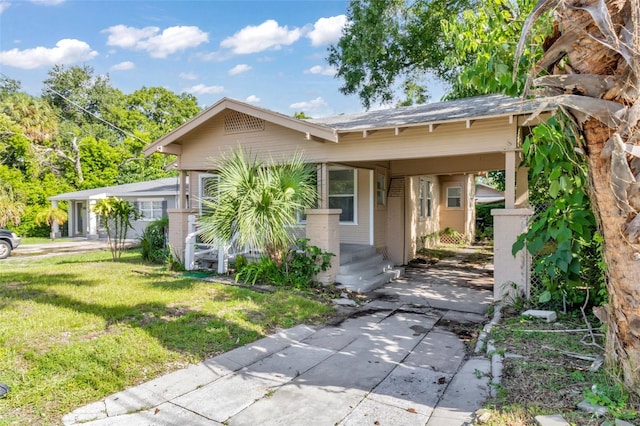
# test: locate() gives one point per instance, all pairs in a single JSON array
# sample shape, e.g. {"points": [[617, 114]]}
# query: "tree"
{"points": [[11, 208], [593, 66], [116, 215], [391, 45], [256, 202], [51, 215]]}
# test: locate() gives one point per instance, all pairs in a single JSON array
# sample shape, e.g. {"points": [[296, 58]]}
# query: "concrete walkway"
{"points": [[394, 361]]}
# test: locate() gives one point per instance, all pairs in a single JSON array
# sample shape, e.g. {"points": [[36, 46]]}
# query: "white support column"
{"points": [[92, 218], [511, 275], [55, 228], [182, 189], [510, 179], [522, 187]]}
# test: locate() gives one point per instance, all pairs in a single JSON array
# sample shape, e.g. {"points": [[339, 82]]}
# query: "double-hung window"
{"points": [[208, 191], [454, 197], [150, 209], [426, 198], [342, 192]]}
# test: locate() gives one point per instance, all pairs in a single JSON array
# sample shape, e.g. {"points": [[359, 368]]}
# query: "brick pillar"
{"points": [[323, 231], [511, 275], [178, 229]]}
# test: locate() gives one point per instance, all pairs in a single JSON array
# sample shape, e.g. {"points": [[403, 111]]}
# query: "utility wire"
{"points": [[80, 107]]}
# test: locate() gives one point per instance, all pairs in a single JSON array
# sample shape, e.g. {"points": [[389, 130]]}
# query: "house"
{"points": [[151, 198], [487, 194], [386, 178]]}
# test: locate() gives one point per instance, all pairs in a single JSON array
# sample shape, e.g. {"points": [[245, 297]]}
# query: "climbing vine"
{"points": [[562, 235]]}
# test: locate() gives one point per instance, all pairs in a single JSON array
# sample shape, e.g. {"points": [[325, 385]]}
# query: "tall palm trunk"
{"points": [[593, 62]]}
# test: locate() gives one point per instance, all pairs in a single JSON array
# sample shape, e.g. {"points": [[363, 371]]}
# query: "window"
{"points": [[342, 192], [454, 197], [208, 190], [381, 190], [426, 198], [150, 209]]}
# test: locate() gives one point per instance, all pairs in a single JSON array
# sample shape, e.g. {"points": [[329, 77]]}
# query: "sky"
{"points": [[265, 52]]}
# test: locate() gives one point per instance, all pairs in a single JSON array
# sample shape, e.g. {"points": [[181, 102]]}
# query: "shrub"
{"points": [[153, 241]]}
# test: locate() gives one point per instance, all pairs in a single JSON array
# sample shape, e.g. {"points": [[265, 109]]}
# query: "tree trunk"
{"points": [[597, 44], [622, 313]]}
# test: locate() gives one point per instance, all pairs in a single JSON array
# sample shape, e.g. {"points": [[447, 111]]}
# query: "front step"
{"points": [[363, 270]]}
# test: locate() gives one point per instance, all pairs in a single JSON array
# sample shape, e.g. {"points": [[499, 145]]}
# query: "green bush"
{"points": [[153, 242], [297, 270]]}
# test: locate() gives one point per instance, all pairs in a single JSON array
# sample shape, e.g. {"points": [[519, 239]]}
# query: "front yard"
{"points": [[74, 329]]}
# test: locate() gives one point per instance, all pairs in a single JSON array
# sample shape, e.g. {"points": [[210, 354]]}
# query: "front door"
{"points": [[81, 210]]}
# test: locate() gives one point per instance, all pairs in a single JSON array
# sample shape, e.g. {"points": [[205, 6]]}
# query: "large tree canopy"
{"points": [[394, 45]]}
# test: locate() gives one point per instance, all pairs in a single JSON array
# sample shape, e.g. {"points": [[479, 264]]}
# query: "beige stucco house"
{"points": [[386, 178]]}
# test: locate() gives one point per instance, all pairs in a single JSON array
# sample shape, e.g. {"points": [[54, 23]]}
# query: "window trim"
{"points": [[460, 188], [355, 192]]}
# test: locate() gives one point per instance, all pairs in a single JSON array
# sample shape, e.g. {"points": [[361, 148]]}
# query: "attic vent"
{"points": [[237, 122], [396, 187]]}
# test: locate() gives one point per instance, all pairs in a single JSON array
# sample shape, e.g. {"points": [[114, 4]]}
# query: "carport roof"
{"points": [[158, 187]]}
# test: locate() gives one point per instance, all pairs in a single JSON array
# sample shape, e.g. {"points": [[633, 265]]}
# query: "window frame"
{"points": [[144, 218], [354, 220], [201, 188], [459, 197], [425, 198], [381, 190]]}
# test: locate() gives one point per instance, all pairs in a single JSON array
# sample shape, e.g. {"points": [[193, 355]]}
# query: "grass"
{"points": [[76, 328], [543, 380]]}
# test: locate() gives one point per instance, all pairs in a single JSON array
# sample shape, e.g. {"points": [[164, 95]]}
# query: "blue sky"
{"points": [[269, 53]]}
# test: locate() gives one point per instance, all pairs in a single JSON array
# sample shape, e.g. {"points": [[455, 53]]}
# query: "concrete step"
{"points": [[361, 264], [372, 283], [350, 253], [366, 271]]}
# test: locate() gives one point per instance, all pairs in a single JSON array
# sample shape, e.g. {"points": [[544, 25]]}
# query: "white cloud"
{"points": [[254, 39], [253, 99], [319, 69], [201, 89], [4, 5], [188, 76], [123, 66], [239, 69], [158, 45], [67, 51], [327, 30], [48, 2], [309, 105]]}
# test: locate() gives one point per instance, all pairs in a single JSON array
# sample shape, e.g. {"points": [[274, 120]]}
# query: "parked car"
{"points": [[8, 241]]}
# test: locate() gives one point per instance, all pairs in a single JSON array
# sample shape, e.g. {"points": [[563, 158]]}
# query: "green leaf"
{"points": [[544, 297]]}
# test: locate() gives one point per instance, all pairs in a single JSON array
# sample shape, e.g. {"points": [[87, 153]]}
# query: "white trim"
{"points": [[373, 199]]}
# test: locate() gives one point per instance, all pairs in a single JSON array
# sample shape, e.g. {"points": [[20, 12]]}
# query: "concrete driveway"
{"points": [[399, 359]]}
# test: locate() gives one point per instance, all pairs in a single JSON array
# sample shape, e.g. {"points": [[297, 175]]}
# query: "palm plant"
{"points": [[258, 202], [10, 207], [49, 216]]}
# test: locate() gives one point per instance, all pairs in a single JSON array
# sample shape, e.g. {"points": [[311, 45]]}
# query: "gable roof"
{"points": [[158, 187], [330, 128]]}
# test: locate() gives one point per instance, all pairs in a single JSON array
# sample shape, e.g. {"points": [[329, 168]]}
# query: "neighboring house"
{"points": [[385, 178], [487, 194], [151, 198]]}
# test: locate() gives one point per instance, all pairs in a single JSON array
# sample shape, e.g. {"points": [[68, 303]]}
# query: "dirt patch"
{"points": [[468, 332]]}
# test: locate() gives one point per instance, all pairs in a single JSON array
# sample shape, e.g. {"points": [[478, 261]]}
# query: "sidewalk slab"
{"points": [[467, 391], [411, 389], [370, 412], [289, 363], [225, 397], [164, 415], [440, 351], [253, 352], [297, 403]]}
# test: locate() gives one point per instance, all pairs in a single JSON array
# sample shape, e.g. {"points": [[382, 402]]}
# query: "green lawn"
{"points": [[74, 329]]}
